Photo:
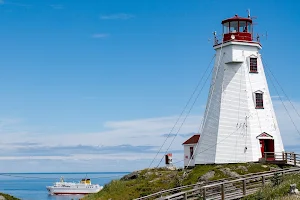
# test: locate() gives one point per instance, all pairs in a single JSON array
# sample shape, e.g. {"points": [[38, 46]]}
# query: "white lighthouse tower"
{"points": [[239, 122]]}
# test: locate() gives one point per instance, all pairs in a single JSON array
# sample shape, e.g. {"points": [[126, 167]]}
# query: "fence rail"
{"points": [[289, 158], [231, 188]]}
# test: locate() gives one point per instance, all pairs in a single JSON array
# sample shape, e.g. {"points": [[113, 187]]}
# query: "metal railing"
{"points": [[218, 39]]}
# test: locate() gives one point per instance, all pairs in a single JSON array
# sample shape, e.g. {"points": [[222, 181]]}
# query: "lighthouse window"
{"points": [[253, 65], [259, 100]]}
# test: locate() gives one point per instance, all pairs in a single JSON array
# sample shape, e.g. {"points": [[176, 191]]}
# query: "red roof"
{"points": [[237, 18], [193, 140]]}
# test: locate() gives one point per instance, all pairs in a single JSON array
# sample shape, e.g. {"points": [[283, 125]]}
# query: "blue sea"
{"points": [[32, 186]]}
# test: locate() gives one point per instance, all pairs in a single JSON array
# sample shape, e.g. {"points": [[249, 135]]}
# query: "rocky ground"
{"points": [[144, 182]]}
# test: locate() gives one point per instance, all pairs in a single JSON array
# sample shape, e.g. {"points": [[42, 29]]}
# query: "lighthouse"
{"points": [[239, 122]]}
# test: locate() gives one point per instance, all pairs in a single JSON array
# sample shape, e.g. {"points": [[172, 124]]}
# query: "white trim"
{"points": [[259, 92], [238, 43], [265, 137], [254, 97], [248, 63]]}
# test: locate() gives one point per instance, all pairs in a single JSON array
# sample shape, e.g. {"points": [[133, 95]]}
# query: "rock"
{"points": [[2, 197], [242, 168], [171, 176], [133, 175], [184, 175], [264, 166], [293, 189], [273, 169], [156, 179], [172, 168], [207, 176], [147, 174], [228, 172]]}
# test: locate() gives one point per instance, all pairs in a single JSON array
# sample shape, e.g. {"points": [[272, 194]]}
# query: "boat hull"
{"points": [[71, 191]]}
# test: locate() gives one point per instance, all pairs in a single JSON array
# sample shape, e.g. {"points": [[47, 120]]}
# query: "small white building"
{"points": [[189, 149], [239, 123]]}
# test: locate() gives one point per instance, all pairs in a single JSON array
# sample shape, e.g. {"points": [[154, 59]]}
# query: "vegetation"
{"points": [[278, 189], [8, 197], [148, 181]]}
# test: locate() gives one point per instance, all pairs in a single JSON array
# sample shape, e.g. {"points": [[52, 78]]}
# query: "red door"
{"points": [[267, 145], [262, 147], [270, 148]]}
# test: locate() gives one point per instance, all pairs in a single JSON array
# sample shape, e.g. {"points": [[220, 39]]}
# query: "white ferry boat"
{"points": [[65, 188]]}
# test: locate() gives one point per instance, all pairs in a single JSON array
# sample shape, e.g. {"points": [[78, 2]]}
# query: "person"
{"points": [[245, 29]]}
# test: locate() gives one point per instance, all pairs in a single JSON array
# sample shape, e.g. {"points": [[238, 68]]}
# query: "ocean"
{"points": [[32, 186]]}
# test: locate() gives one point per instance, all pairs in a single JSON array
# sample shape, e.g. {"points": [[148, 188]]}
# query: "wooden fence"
{"points": [[231, 188], [289, 158]]}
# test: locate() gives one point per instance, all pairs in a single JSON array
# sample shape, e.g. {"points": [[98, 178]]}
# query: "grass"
{"points": [[154, 180], [279, 192], [148, 182], [200, 170], [8, 197]]}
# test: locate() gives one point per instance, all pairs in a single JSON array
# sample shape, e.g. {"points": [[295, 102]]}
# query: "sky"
{"points": [[97, 85]]}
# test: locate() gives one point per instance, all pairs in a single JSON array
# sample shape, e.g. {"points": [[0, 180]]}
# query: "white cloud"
{"points": [[123, 141], [117, 16], [116, 133], [100, 35]]}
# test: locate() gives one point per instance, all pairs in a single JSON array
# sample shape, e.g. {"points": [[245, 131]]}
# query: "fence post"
{"points": [[185, 196], [244, 187], [285, 156], [204, 193], [263, 180], [265, 156], [295, 161], [223, 191]]}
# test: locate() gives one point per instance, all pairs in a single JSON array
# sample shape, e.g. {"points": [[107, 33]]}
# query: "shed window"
{"points": [[259, 100], [253, 65]]}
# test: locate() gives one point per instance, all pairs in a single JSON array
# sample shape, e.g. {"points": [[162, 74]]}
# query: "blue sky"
{"points": [[91, 84]]}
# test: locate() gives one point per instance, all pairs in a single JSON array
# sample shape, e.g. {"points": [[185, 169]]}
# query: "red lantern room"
{"points": [[237, 29]]}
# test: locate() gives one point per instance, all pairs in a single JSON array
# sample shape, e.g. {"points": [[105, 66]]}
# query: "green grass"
{"points": [[8, 197], [155, 180], [199, 171], [271, 192]]}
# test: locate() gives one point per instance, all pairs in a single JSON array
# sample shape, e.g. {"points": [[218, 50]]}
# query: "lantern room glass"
{"points": [[233, 27], [243, 27], [226, 28], [237, 26]]}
